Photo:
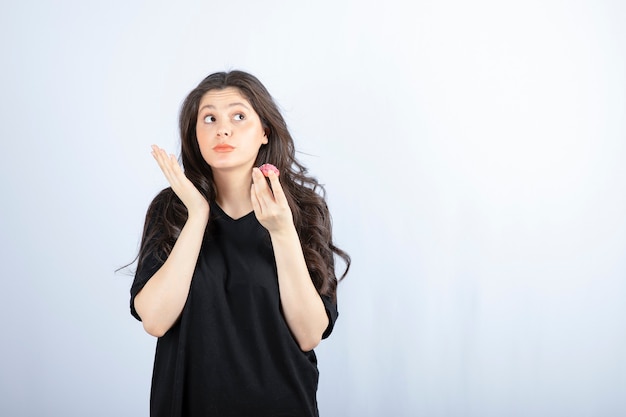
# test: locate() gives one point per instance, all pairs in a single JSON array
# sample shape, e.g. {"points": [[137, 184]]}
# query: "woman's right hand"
{"points": [[182, 186]]}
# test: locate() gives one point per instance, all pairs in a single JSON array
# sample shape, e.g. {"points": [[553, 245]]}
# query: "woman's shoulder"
{"points": [[163, 196], [162, 200]]}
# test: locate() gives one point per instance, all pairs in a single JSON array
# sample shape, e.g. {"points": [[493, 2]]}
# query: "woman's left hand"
{"points": [[270, 204]]}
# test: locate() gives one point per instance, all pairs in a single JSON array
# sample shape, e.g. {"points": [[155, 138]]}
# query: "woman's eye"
{"points": [[239, 116], [209, 119]]}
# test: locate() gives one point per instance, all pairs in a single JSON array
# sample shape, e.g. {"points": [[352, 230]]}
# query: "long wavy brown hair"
{"points": [[306, 196]]}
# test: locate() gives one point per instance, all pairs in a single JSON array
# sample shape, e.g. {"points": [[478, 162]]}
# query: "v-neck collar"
{"points": [[225, 215]]}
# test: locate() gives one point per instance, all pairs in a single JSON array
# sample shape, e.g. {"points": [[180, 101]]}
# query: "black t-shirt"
{"points": [[231, 352]]}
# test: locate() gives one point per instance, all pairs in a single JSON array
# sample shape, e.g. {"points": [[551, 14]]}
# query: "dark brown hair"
{"points": [[167, 214]]}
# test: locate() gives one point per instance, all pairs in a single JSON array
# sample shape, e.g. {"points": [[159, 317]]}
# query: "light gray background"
{"points": [[473, 154]]}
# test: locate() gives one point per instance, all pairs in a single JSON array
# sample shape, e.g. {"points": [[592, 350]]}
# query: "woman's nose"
{"points": [[223, 130]]}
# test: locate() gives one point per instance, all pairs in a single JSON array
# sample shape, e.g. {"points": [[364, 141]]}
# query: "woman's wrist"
{"points": [[288, 232], [200, 214]]}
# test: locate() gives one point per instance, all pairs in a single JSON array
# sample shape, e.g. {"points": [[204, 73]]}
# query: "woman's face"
{"points": [[229, 131]]}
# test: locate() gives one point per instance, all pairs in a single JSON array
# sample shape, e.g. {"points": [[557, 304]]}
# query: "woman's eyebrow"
{"points": [[212, 107]]}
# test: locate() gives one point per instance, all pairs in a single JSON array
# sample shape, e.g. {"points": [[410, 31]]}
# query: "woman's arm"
{"points": [[302, 305], [161, 300]]}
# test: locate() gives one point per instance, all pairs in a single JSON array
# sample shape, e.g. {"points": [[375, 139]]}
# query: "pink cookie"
{"points": [[266, 168]]}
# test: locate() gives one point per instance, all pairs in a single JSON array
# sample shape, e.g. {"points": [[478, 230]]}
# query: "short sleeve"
{"points": [[149, 267], [331, 311], [151, 262]]}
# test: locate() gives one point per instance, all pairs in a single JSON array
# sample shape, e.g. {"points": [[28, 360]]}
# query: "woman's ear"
{"points": [[266, 135], [266, 128]]}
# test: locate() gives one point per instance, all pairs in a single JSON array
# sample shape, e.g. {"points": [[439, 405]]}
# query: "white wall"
{"points": [[473, 155]]}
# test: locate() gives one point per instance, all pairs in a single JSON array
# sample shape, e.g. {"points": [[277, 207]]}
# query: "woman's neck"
{"points": [[233, 192]]}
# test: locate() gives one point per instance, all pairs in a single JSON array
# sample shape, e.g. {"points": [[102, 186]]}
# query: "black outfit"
{"points": [[231, 352]]}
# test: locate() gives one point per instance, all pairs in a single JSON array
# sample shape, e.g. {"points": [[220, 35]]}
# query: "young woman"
{"points": [[236, 272]]}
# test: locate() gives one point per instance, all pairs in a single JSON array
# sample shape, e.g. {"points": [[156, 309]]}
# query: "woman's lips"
{"points": [[223, 148]]}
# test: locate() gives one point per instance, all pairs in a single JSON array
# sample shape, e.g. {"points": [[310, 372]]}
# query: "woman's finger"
{"points": [[158, 155], [175, 169], [277, 189], [167, 165], [263, 193], [256, 206]]}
